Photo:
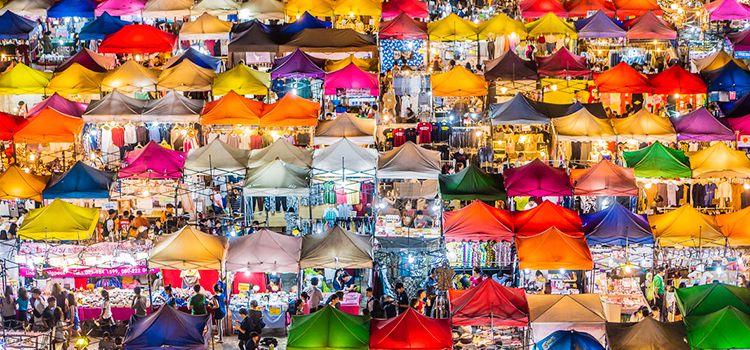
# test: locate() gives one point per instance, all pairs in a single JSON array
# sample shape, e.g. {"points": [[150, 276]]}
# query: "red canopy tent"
{"points": [[544, 216], [677, 80], [489, 304], [649, 27], [413, 8], [403, 27], [627, 8], [478, 222], [138, 38], [410, 330], [582, 8], [563, 64], [9, 123], [622, 78], [539, 8]]}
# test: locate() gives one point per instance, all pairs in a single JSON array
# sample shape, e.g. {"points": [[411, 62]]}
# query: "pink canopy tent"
{"points": [[351, 77], [120, 7], [563, 64], [60, 104], [651, 27], [537, 179], [413, 8], [727, 10], [153, 162]]}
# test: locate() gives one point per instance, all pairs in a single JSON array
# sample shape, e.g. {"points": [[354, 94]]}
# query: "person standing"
{"points": [[8, 308], [38, 305], [73, 318], [138, 304], [243, 329], [198, 302], [256, 318], [402, 299], [105, 317], [316, 296], [219, 306], [23, 307], [659, 291], [109, 229]]}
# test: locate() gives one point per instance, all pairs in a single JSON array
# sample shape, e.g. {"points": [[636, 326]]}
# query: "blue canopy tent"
{"points": [[81, 181], [569, 340], [195, 56], [167, 327], [102, 26], [618, 226], [72, 8], [306, 21], [518, 110], [730, 77], [13, 26]]}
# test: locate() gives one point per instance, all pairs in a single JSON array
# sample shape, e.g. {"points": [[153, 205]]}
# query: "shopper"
{"points": [[23, 307], [169, 298], [402, 299], [659, 291], [8, 308], [219, 308], [106, 323], [316, 296], [198, 302], [256, 318], [38, 305], [72, 317], [254, 342], [138, 303]]}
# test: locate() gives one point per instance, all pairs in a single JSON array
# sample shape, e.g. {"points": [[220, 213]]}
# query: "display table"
{"points": [[350, 304], [92, 313]]}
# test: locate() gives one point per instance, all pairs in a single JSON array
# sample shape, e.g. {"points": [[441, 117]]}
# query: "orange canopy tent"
{"points": [[622, 78], [232, 108], [736, 227], [554, 250], [478, 222], [604, 179], [290, 110], [629, 8], [544, 216], [49, 126], [686, 227], [18, 184]]}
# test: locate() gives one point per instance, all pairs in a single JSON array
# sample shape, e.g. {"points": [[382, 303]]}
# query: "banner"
{"points": [[91, 272]]}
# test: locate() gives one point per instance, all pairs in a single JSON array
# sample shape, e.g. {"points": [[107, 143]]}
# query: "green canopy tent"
{"points": [[658, 161], [329, 329], [472, 184], [727, 328], [709, 298]]}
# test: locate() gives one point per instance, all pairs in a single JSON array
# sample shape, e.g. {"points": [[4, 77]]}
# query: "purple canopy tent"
{"points": [[509, 67], [167, 327], [598, 26], [60, 104], [88, 59], [727, 10], [563, 64], [700, 125], [153, 162], [297, 65], [537, 179], [616, 225]]}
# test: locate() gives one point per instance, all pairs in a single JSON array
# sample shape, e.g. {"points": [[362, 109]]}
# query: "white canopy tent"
{"points": [[409, 161], [359, 130], [217, 158], [344, 159]]}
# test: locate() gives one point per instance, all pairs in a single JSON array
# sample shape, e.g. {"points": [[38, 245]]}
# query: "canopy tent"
{"points": [[598, 25], [553, 249], [730, 77], [569, 340], [195, 56], [736, 227], [582, 8], [647, 334], [658, 161], [15, 183], [264, 251], [677, 80], [720, 161], [28, 8], [518, 110], [98, 29], [60, 104], [49, 126], [737, 108], [358, 130], [489, 304], [477, 222], [413, 8], [277, 178], [628, 8], [89, 60], [322, 8], [604, 179], [9, 123], [622, 78], [188, 248], [509, 67], [616, 225], [366, 64], [262, 10], [545, 216], [153, 162], [218, 157], [536, 9], [232, 108], [550, 24], [686, 227], [206, 27], [344, 159], [281, 150], [120, 7], [290, 111], [59, 221], [724, 329], [740, 125], [709, 298], [371, 8], [167, 328], [556, 110], [502, 25], [138, 38], [410, 330], [304, 21], [581, 312], [409, 161], [563, 64], [114, 105], [80, 181], [72, 8], [297, 65], [21, 79], [740, 40], [717, 60], [644, 126], [403, 27], [458, 81], [330, 40], [242, 80], [329, 328], [727, 10], [650, 27], [453, 28], [215, 8], [186, 76], [174, 106], [351, 77], [130, 77], [337, 248], [471, 183], [13, 26], [167, 9], [76, 80], [256, 38], [537, 179], [701, 125], [581, 125]]}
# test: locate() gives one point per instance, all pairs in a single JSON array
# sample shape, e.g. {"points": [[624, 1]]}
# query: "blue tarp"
{"points": [[167, 327], [306, 21], [81, 181], [569, 340], [517, 110], [199, 59], [102, 26], [616, 225], [731, 77], [13, 26], [72, 8]]}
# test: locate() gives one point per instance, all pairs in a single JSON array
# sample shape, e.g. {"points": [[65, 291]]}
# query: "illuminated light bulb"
{"points": [[676, 95], [146, 193], [648, 185], [32, 157], [628, 269], [410, 259], [27, 170], [294, 91], [673, 6], [746, 186], [503, 89], [478, 133], [562, 270], [553, 87], [527, 271]]}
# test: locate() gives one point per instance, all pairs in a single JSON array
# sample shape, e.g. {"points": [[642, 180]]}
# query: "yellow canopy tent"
{"points": [[367, 64], [644, 126], [550, 24], [189, 248], [581, 125], [186, 76], [453, 28], [59, 221], [459, 81], [564, 91], [371, 8], [736, 227], [719, 161], [317, 8], [501, 24], [242, 80], [130, 77], [205, 27], [23, 80], [717, 60], [686, 227], [76, 80], [18, 184]]}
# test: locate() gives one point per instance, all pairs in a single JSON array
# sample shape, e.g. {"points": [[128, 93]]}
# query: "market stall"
{"points": [[658, 161], [358, 130], [15, 183], [537, 179], [617, 85], [48, 223], [647, 332], [168, 327], [544, 216], [138, 39], [580, 312], [471, 183], [686, 227], [332, 329], [131, 77], [604, 179], [700, 125], [537, 252], [410, 330]]}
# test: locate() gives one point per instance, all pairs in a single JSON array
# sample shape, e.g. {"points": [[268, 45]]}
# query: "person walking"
{"points": [[8, 308]]}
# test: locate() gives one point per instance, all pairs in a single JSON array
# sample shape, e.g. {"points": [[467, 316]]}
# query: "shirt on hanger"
{"points": [[425, 132]]}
